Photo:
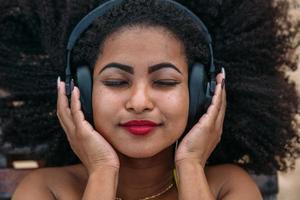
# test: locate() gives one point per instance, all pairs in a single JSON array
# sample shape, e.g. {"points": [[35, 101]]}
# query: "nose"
{"points": [[139, 100]]}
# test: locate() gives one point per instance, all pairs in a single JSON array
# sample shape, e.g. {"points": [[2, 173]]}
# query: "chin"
{"points": [[140, 152]]}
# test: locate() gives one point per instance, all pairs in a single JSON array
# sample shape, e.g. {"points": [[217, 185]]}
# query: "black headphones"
{"points": [[201, 87]]}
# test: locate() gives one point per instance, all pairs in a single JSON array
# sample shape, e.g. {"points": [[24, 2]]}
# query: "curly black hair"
{"points": [[251, 40]]}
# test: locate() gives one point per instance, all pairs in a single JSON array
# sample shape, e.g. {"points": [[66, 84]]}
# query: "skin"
{"points": [[111, 157], [140, 97]]}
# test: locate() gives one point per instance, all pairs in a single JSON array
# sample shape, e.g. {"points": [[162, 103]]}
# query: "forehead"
{"points": [[143, 46]]}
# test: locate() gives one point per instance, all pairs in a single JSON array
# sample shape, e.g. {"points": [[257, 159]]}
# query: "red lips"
{"points": [[139, 127]]}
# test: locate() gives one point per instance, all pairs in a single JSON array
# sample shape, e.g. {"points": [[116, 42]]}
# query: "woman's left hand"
{"points": [[201, 140]]}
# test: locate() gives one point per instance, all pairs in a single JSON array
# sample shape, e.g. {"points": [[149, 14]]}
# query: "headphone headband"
{"points": [[103, 8]]}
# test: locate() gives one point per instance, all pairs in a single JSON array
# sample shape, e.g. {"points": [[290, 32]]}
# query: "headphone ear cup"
{"points": [[197, 93], [84, 82]]}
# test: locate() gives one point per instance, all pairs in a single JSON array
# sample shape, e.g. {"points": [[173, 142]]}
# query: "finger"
{"points": [[219, 78], [83, 126], [221, 116], [76, 107], [208, 119], [63, 110], [211, 108], [214, 108]]}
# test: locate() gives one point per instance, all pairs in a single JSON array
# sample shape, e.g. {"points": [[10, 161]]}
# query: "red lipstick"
{"points": [[139, 127]]}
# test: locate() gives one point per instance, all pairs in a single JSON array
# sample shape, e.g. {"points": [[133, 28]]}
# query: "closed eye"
{"points": [[166, 82], [115, 83], [121, 83]]}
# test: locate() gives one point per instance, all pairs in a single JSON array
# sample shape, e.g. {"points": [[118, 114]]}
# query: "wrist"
{"points": [[102, 182], [192, 181], [189, 167], [104, 169], [189, 162]]}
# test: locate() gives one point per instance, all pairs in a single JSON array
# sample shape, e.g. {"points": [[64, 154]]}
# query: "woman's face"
{"points": [[141, 60]]}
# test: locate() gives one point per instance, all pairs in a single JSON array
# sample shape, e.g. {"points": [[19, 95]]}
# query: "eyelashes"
{"points": [[166, 83], [121, 83], [114, 83]]}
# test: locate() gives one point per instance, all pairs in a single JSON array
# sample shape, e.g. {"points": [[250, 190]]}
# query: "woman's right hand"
{"points": [[89, 145]]}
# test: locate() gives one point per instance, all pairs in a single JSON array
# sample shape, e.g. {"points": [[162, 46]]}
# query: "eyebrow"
{"points": [[130, 70]]}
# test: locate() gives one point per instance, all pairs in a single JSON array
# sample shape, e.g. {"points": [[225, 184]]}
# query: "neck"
{"points": [[144, 177]]}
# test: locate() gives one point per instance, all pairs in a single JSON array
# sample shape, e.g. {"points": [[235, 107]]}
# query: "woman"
{"points": [[146, 36], [140, 76]]}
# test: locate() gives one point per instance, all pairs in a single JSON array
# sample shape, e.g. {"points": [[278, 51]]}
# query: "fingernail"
{"points": [[223, 72], [58, 82], [223, 83]]}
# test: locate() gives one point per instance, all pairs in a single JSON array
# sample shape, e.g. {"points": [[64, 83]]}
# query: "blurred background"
{"points": [[289, 183]]}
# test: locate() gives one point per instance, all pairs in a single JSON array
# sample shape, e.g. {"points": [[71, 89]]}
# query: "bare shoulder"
{"points": [[51, 184], [230, 181]]}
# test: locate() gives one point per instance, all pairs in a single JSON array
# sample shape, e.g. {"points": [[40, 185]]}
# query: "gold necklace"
{"points": [[153, 196]]}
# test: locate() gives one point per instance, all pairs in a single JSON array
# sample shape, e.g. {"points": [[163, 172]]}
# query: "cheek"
{"points": [[174, 107], [105, 106]]}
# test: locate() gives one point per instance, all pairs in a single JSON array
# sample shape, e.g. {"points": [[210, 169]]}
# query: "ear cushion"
{"points": [[84, 82], [197, 93]]}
